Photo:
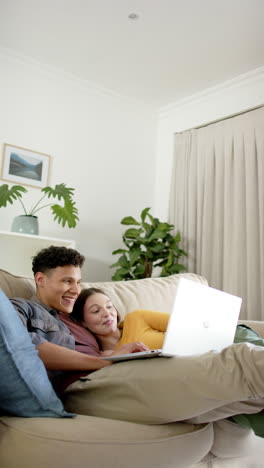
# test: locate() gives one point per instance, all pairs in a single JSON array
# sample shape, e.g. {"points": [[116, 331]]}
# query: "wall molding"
{"points": [[57, 73], [246, 79]]}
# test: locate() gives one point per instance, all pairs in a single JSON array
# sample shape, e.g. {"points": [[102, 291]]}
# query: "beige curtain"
{"points": [[217, 203]]}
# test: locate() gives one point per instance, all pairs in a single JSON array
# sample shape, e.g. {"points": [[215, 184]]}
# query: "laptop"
{"points": [[202, 319]]}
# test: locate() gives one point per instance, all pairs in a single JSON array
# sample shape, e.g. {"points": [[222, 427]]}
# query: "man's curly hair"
{"points": [[53, 257]]}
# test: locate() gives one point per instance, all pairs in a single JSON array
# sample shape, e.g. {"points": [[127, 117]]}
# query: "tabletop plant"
{"points": [[67, 213], [149, 245]]}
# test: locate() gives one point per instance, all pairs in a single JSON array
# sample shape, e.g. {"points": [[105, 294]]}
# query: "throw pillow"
{"points": [[252, 421], [25, 389]]}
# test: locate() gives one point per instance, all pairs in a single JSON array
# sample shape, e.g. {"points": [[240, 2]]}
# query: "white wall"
{"points": [[244, 92], [104, 146], [101, 144]]}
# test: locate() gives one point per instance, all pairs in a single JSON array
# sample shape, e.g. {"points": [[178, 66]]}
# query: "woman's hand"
{"points": [[107, 353], [130, 348]]}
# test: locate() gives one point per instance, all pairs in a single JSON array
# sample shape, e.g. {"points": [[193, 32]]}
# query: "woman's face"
{"points": [[99, 315]]}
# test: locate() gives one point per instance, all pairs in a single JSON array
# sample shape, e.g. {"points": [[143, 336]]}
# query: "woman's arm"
{"points": [[154, 320], [146, 326]]}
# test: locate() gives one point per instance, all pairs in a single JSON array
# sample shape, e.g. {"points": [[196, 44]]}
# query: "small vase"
{"points": [[25, 224]]}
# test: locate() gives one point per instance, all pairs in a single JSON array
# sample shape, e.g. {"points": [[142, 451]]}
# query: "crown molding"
{"points": [[56, 73], [245, 79]]}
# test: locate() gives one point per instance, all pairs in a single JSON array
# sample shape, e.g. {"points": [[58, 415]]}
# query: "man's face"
{"points": [[59, 287]]}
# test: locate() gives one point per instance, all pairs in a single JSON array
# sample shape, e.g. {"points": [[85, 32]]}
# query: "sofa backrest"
{"points": [[148, 293]]}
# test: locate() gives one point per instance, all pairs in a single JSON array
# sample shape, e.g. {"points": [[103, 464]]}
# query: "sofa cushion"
{"points": [[25, 389], [97, 442], [147, 293], [17, 286]]}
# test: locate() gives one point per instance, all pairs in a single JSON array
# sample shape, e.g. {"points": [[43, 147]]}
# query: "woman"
{"points": [[95, 311]]}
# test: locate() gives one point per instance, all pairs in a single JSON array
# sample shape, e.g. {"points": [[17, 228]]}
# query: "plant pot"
{"points": [[25, 224]]}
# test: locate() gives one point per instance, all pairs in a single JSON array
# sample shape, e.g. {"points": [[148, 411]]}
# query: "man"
{"points": [[57, 272], [155, 391]]}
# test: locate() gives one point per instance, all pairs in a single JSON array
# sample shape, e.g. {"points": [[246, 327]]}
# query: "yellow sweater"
{"points": [[146, 326]]}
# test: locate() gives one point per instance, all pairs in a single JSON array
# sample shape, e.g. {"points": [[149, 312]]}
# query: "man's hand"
{"points": [[127, 349]]}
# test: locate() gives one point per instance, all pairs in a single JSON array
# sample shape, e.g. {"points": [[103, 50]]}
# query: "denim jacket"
{"points": [[43, 323]]}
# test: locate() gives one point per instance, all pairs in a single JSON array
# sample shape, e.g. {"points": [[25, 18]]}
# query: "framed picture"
{"points": [[25, 167]]}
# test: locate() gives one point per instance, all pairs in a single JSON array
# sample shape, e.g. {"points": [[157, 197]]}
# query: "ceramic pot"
{"points": [[25, 224]]}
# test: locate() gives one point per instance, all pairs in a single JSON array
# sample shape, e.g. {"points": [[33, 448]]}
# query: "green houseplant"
{"points": [[148, 245], [67, 213]]}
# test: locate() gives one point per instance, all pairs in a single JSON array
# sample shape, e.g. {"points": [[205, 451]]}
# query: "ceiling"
{"points": [[174, 49]]}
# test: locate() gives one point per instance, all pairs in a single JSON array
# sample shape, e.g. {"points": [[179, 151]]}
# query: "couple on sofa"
{"points": [[198, 388]]}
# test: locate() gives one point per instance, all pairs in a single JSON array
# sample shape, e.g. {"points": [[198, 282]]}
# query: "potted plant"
{"points": [[149, 245], [63, 214]]}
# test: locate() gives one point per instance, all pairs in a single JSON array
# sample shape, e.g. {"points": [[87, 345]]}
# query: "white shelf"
{"points": [[17, 250]]}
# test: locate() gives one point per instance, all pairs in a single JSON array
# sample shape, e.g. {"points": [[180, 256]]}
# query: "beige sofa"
{"points": [[87, 441]]}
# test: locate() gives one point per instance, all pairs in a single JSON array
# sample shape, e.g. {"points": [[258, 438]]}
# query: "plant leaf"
{"points": [[144, 214], [67, 214], [176, 268], [177, 238], [119, 251], [157, 234], [123, 262], [139, 271], [165, 227], [134, 255], [149, 231], [122, 274], [133, 233], [9, 195], [157, 248], [60, 191], [129, 220]]}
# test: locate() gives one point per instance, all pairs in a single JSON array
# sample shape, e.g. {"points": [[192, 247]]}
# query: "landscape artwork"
{"points": [[24, 166]]}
